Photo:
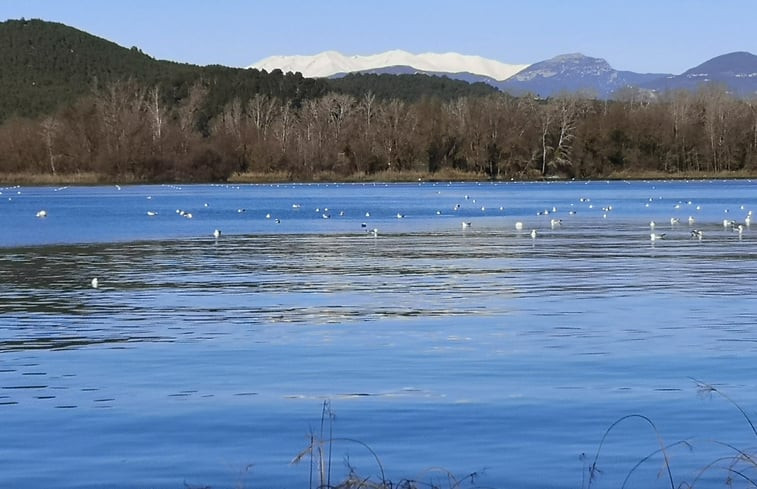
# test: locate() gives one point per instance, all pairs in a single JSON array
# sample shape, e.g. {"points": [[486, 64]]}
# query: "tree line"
{"points": [[126, 131]]}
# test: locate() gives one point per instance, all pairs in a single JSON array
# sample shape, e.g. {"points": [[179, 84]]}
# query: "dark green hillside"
{"points": [[47, 65], [409, 87]]}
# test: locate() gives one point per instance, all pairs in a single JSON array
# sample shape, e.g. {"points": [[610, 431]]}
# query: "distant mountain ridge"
{"points": [[572, 72], [330, 63], [737, 71]]}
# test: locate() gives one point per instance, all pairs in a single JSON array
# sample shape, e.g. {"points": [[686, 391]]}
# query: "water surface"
{"points": [[205, 361]]}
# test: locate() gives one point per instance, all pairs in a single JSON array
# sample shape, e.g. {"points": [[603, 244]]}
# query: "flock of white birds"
{"points": [[731, 225]]}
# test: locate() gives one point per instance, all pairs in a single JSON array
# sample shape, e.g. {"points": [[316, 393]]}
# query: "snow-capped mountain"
{"points": [[332, 63], [573, 73], [736, 71]]}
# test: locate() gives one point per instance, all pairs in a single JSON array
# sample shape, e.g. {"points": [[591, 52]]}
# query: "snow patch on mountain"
{"points": [[330, 63]]}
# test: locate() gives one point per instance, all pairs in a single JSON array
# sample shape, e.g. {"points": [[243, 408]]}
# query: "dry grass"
{"points": [[25, 178], [737, 465], [319, 455], [688, 175], [444, 175]]}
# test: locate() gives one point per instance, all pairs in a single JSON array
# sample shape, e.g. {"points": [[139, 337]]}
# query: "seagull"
{"points": [[400, 215], [555, 223], [519, 226], [466, 225], [374, 232], [95, 283], [152, 213], [674, 221], [217, 233], [241, 210], [697, 234], [533, 234], [42, 213], [691, 220], [651, 224], [655, 237]]}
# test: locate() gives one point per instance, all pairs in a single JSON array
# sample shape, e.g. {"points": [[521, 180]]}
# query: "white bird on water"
{"points": [[466, 225], [217, 233], [42, 213], [519, 226], [95, 283], [656, 237], [697, 234], [533, 234]]}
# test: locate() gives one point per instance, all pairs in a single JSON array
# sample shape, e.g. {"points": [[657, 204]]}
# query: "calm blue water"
{"points": [[205, 362]]}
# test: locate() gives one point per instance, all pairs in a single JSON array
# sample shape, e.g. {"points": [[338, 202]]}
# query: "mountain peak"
{"points": [[562, 58], [565, 65], [739, 62]]}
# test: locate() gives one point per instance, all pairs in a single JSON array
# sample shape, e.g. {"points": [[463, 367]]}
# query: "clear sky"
{"points": [[641, 35]]}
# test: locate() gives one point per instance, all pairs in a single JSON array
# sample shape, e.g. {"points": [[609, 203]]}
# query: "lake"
{"points": [[447, 349]]}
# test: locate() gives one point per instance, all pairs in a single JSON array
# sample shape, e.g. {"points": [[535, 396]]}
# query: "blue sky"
{"points": [[641, 35]]}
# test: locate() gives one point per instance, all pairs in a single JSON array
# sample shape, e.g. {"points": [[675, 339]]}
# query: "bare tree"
{"points": [[49, 128], [157, 113]]}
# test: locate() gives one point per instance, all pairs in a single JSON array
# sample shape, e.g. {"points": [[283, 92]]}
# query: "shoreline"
{"points": [[85, 179]]}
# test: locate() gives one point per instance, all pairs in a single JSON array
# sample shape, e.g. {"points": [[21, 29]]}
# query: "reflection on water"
{"points": [[431, 339]]}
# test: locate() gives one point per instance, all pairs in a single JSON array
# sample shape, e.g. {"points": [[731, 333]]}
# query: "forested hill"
{"points": [[48, 65], [408, 87]]}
